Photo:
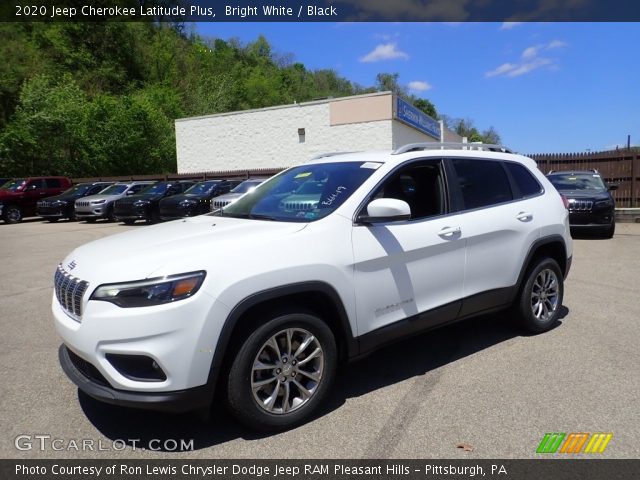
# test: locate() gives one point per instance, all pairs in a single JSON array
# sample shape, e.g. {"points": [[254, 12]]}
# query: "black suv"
{"points": [[145, 205], [196, 200], [591, 206], [63, 205]]}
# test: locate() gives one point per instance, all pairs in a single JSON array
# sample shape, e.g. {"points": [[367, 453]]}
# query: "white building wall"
{"points": [[403, 134], [268, 138]]}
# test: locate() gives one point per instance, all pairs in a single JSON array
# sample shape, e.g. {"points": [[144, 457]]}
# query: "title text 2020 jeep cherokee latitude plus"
{"points": [[260, 301]]}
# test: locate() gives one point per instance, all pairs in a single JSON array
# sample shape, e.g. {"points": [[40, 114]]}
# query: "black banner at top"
{"points": [[322, 10]]}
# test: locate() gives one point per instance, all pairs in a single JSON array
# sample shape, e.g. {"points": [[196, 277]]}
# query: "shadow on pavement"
{"points": [[387, 366]]}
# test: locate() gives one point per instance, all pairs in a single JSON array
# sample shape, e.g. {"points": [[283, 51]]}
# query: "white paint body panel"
{"points": [[382, 273]]}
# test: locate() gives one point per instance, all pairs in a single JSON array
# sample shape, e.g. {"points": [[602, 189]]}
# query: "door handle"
{"points": [[449, 231], [524, 216]]}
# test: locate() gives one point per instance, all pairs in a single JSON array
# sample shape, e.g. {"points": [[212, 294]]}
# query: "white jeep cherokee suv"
{"points": [[260, 301]]}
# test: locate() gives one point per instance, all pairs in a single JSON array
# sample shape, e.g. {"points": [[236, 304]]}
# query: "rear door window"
{"points": [[53, 183], [482, 182]]}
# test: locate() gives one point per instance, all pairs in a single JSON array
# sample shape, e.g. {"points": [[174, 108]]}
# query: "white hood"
{"points": [[196, 243]]}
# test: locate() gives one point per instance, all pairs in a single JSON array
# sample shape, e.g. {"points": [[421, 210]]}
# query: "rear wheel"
{"points": [[12, 214], [282, 372], [538, 305]]}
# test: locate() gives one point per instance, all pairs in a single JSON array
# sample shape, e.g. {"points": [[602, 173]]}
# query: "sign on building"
{"points": [[407, 113]]}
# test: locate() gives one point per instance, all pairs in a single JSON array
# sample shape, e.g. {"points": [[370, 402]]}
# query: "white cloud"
{"points": [[509, 25], [530, 52], [530, 61], [419, 86], [384, 51], [556, 44], [501, 70]]}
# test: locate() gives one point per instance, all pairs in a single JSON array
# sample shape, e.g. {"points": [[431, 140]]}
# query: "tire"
{"points": [[538, 304], [307, 377], [110, 216], [12, 214], [90, 220], [129, 221], [609, 231], [52, 220]]}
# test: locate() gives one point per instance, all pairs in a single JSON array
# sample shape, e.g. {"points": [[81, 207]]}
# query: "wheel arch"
{"points": [[552, 246], [317, 296]]}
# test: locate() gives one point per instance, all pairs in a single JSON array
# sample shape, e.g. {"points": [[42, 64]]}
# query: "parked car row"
{"points": [[54, 198]]}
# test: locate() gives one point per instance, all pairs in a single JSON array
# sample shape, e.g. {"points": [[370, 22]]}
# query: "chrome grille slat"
{"points": [[580, 205], [69, 292]]}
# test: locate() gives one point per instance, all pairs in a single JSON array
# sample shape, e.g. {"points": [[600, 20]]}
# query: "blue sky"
{"points": [[546, 87]]}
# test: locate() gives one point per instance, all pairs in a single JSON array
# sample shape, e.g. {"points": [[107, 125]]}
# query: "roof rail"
{"points": [[451, 146], [328, 154]]}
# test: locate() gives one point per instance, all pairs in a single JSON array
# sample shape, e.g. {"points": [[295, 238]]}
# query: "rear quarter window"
{"points": [[525, 183], [53, 183]]}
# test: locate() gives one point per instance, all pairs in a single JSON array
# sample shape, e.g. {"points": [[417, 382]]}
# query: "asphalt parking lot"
{"points": [[479, 382]]}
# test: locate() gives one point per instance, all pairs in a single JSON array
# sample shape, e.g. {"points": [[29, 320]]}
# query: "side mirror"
{"points": [[613, 187], [384, 210]]}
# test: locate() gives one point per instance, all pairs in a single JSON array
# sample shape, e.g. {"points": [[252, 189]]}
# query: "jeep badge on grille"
{"points": [[71, 265]]}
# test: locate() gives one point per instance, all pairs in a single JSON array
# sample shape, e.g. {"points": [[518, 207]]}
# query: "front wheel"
{"points": [[12, 214], [282, 372], [609, 231], [538, 306], [128, 221]]}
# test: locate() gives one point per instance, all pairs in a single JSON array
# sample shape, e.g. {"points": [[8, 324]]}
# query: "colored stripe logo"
{"points": [[574, 443]]}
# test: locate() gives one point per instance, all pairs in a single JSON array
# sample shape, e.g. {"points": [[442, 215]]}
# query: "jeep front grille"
{"points": [[220, 203], [300, 205], [580, 205], [69, 292], [82, 203]]}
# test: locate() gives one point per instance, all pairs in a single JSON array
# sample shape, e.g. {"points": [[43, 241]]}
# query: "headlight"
{"points": [[188, 202], [604, 203], [97, 202], [147, 293], [139, 203]]}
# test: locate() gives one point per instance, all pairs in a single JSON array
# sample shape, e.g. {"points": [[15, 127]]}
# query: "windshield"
{"points": [[156, 188], [325, 185], [578, 181], [80, 188], [14, 185], [114, 189], [202, 188], [247, 185]]}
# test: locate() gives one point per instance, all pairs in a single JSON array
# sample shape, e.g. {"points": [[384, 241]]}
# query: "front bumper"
{"points": [[179, 212], [90, 382], [591, 219], [97, 211], [180, 337], [131, 212], [52, 212]]}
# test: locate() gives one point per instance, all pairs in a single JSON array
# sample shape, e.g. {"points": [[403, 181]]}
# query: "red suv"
{"points": [[19, 197]]}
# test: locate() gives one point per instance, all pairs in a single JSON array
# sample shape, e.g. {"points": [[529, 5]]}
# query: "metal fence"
{"points": [[618, 167]]}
